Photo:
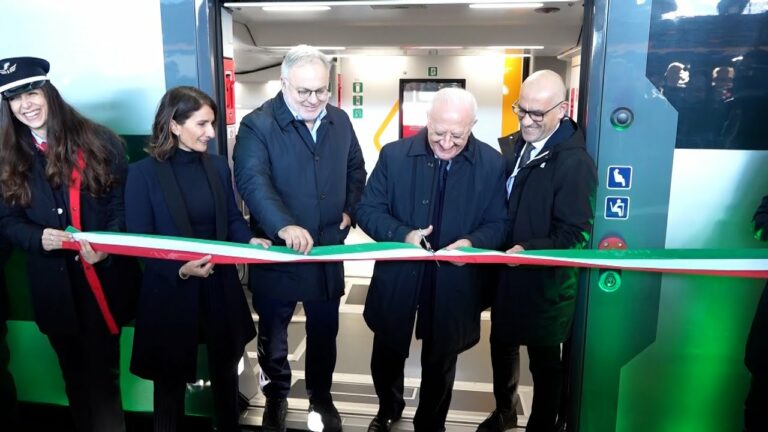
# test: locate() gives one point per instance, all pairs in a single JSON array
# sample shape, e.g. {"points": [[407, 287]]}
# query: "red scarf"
{"points": [[90, 272]]}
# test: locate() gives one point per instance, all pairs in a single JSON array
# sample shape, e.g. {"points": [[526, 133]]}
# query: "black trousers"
{"points": [[7, 385], [546, 368], [90, 365], [756, 360], [755, 414], [322, 326], [169, 396], [437, 377]]}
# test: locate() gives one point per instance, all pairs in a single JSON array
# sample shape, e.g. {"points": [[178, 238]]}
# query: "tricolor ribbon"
{"points": [[752, 263]]}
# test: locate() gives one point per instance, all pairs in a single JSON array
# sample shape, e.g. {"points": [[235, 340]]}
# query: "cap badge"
{"points": [[7, 68]]}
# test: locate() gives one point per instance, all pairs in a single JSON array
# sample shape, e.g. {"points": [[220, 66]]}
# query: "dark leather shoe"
{"points": [[274, 415], [380, 424], [498, 421], [328, 415]]}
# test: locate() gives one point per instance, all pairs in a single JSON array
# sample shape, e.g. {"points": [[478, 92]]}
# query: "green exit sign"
{"points": [[357, 113], [432, 71]]}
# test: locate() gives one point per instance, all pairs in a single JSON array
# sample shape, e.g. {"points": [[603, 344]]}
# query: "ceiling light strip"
{"points": [[378, 3], [505, 5], [295, 8]]}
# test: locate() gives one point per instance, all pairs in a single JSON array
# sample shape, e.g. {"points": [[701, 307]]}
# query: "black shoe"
{"points": [[498, 421], [329, 419], [380, 424], [274, 415]]}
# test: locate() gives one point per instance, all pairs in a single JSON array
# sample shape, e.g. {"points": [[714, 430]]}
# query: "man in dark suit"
{"points": [[300, 170], [441, 188], [551, 183]]}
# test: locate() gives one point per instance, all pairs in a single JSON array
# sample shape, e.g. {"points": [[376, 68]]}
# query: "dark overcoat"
{"points": [[285, 178], [63, 303], [168, 317], [397, 199], [550, 207]]}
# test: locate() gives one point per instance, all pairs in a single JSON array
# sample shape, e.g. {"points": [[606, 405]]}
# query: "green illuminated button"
{"points": [[622, 118], [609, 281]]}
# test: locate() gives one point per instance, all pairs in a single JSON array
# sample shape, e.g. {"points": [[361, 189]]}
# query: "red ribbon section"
{"points": [[90, 272]]}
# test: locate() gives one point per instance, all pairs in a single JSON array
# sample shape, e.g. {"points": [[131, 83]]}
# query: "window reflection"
{"points": [[711, 64], [674, 9]]}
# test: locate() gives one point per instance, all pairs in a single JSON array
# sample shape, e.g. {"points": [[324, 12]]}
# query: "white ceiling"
{"points": [[396, 31]]}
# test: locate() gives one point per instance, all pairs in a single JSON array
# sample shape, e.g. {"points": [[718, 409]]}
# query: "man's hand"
{"points": [[345, 221], [414, 237], [515, 249], [458, 244], [296, 238], [265, 243]]}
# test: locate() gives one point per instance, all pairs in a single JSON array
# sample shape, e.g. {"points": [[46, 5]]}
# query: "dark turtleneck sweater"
{"points": [[195, 192]]}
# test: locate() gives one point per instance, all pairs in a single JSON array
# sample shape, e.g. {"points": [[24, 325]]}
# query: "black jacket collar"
{"points": [[560, 141]]}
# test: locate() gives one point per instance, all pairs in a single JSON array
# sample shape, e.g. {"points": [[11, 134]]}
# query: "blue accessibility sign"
{"points": [[617, 207], [619, 177]]}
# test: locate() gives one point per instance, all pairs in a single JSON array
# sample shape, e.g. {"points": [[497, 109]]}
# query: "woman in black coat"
{"points": [[181, 190], [57, 169]]}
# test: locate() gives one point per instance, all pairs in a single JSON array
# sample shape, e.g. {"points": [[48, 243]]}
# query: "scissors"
{"points": [[427, 246]]}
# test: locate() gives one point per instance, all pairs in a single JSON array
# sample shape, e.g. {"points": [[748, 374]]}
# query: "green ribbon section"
{"points": [[655, 254]]}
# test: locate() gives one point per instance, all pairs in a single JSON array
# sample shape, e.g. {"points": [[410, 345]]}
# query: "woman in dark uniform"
{"points": [[181, 190], [58, 168]]}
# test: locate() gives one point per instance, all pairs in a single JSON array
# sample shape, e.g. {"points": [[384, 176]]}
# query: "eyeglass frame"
{"points": [[454, 139], [325, 95], [540, 115]]}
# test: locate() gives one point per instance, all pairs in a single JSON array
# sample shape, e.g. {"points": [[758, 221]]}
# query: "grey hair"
{"points": [[457, 96], [301, 54]]}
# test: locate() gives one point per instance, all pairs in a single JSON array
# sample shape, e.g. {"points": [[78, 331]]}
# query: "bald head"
{"points": [[546, 84], [542, 105]]}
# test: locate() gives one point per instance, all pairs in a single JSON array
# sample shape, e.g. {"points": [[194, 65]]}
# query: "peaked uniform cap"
{"points": [[22, 74]]}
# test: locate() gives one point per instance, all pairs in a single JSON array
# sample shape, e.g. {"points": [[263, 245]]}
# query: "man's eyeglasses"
{"points": [[455, 137], [321, 94], [536, 116]]}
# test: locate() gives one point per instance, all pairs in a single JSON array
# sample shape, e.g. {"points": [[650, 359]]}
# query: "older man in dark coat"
{"points": [[441, 188], [551, 183], [300, 170]]}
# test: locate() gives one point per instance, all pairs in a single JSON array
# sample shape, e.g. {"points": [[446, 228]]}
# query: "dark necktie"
{"points": [[526, 156], [437, 214], [429, 280]]}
